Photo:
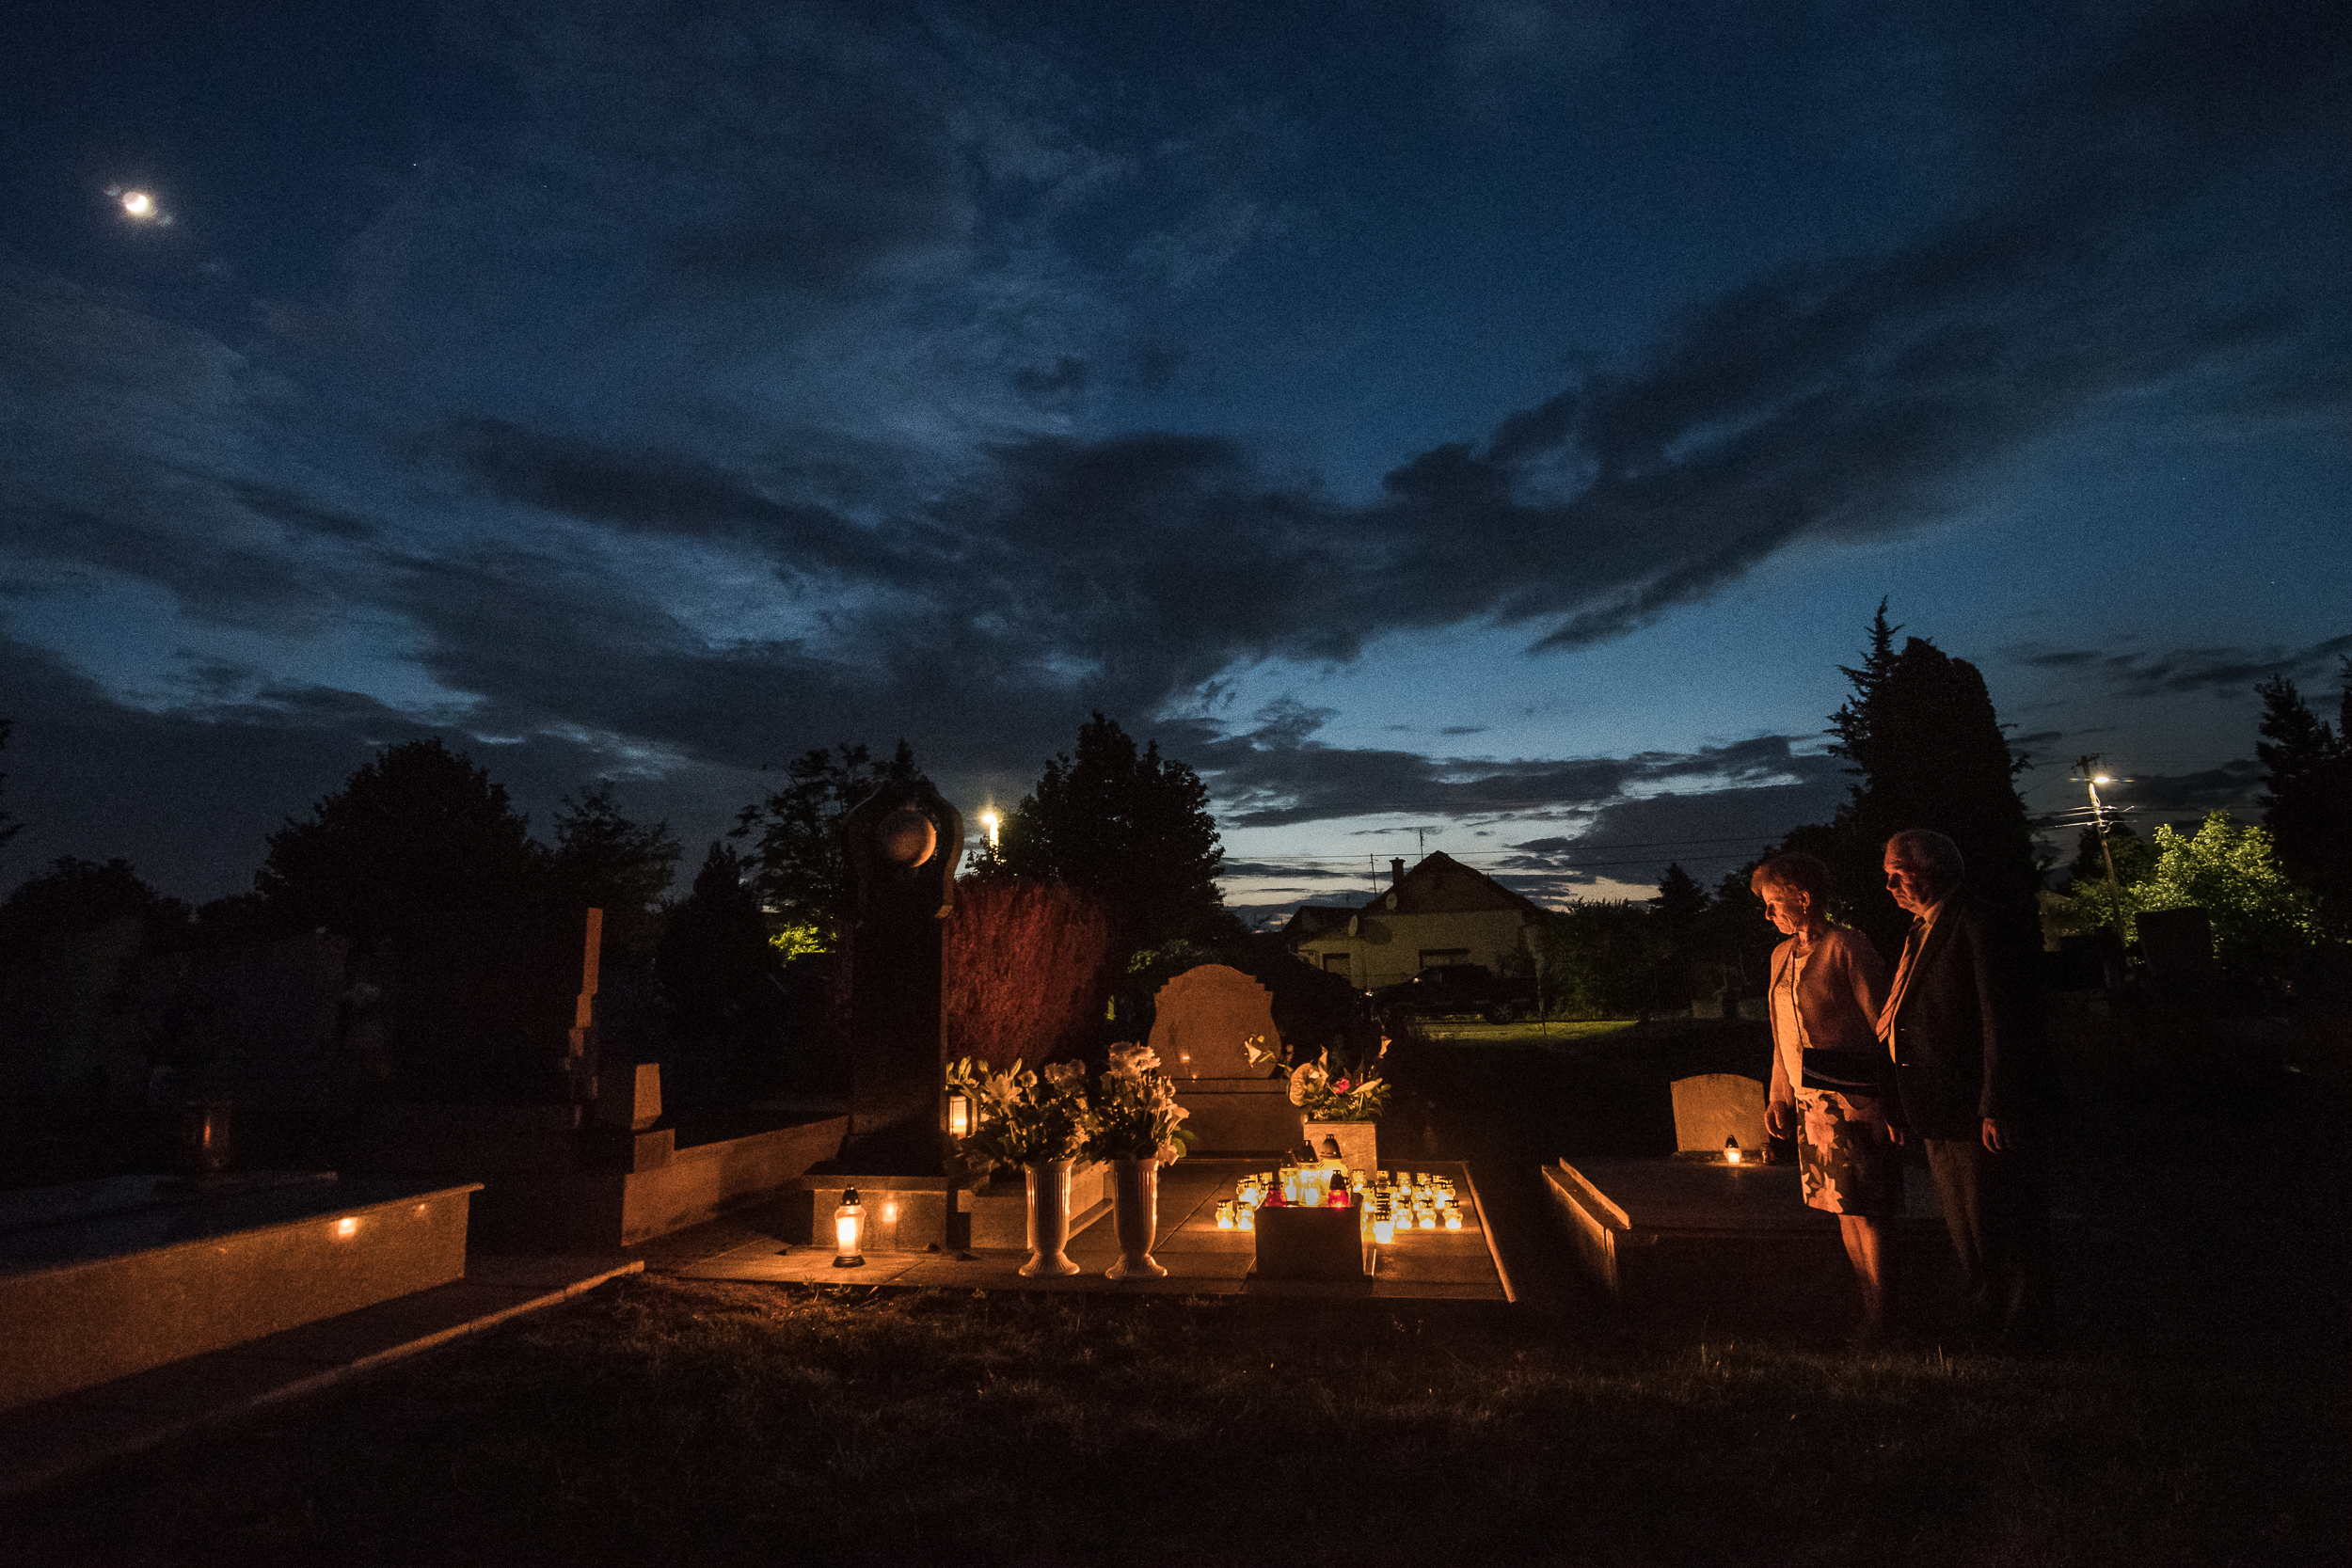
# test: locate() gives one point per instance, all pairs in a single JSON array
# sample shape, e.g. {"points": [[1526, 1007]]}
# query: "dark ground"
{"points": [[2193, 1412]]}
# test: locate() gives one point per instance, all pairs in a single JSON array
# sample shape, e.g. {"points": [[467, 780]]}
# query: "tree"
{"points": [[417, 834], [715, 963], [2135, 857], [604, 861], [796, 863], [1135, 829], [1606, 958], [1927, 751], [76, 895], [2308, 806], [2262, 922], [8, 829]]}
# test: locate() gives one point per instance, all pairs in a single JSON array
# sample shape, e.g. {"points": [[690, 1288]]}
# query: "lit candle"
{"points": [[848, 1231], [1731, 1151], [1383, 1225], [1225, 1216]]}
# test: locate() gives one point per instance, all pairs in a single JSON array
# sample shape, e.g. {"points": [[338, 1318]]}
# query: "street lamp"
{"points": [[2099, 821]]}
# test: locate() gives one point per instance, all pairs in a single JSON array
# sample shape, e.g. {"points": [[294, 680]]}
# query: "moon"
{"points": [[138, 204]]}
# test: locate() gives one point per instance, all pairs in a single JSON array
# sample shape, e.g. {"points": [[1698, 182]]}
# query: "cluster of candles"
{"points": [[1411, 1200]]}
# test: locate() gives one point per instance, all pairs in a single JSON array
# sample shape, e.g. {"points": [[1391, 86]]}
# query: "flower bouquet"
{"points": [[1324, 1090], [1136, 1115], [1026, 1118], [1338, 1101]]}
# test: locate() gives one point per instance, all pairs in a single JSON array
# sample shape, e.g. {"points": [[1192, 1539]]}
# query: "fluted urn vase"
{"points": [[1049, 1221], [1135, 1212]]}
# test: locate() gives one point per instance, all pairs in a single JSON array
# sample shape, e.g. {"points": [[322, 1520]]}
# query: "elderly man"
{"points": [[1966, 1063]]}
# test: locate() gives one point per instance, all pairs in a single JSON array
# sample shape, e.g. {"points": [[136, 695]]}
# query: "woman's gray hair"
{"points": [[1931, 852]]}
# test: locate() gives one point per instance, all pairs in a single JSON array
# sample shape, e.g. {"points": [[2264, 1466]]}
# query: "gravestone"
{"points": [[1715, 1106], [2177, 945], [1201, 1018], [903, 842]]}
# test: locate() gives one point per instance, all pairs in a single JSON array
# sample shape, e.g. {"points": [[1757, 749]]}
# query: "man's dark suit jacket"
{"points": [[1963, 1045]]}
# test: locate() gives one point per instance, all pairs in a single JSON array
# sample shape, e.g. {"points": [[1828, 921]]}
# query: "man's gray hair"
{"points": [[1931, 852]]}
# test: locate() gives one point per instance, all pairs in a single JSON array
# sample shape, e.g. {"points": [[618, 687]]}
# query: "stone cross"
{"points": [[903, 841]]}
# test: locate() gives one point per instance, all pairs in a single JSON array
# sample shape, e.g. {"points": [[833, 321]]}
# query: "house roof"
{"points": [[1309, 921], [1443, 885]]}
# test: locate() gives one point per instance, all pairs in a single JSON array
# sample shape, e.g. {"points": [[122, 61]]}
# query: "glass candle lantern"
{"points": [[1452, 1217], [1245, 1219], [959, 1115], [1383, 1225], [848, 1231], [1225, 1216], [1731, 1151]]}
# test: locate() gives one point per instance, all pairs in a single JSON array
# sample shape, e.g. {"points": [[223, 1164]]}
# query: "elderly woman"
{"points": [[1828, 1070]]}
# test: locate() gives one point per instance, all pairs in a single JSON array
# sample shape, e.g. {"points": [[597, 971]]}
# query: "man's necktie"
{"points": [[1902, 978]]}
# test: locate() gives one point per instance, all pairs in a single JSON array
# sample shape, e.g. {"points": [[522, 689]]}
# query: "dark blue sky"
{"points": [[1479, 423]]}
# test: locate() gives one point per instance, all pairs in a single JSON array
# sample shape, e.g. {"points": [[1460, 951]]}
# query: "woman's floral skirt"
{"points": [[1846, 1162]]}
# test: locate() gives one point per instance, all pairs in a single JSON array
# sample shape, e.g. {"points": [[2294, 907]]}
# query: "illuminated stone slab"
{"points": [[1679, 1232], [1239, 1116], [102, 1294]]}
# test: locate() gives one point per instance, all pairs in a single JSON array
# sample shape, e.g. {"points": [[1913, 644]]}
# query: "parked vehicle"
{"points": [[1444, 991]]}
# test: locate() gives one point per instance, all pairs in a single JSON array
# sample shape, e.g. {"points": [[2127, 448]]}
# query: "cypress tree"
{"points": [[1928, 752]]}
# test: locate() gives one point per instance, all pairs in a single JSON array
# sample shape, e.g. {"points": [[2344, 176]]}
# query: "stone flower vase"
{"points": [[1049, 1220], [1135, 1212]]}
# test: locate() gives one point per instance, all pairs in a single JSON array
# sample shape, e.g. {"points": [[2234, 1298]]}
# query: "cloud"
{"points": [[1498, 51], [780, 294], [2229, 672], [1276, 774]]}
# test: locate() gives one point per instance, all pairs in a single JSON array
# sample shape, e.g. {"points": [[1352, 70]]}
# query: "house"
{"points": [[1439, 913]]}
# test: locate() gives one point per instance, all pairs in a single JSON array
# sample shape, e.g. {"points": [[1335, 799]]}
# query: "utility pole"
{"points": [[2092, 781]]}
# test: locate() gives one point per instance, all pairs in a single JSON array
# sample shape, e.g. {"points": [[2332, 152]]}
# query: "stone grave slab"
{"points": [[1715, 1106], [103, 1295]]}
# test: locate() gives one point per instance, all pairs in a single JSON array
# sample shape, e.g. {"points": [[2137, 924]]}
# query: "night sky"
{"points": [[1472, 424]]}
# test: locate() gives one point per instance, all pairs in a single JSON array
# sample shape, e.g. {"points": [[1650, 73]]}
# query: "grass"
{"points": [[664, 1421], [1548, 1031], [2196, 1415]]}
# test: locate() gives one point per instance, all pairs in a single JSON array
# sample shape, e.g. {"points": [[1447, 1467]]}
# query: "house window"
{"points": [[1335, 963], [1432, 957]]}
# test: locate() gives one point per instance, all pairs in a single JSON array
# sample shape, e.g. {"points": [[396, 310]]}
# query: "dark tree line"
{"points": [[2308, 806]]}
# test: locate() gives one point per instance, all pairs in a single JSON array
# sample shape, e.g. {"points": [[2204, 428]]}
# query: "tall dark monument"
{"points": [[903, 841]]}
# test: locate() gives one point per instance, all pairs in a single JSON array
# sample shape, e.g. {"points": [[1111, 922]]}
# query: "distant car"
{"points": [[1454, 989]]}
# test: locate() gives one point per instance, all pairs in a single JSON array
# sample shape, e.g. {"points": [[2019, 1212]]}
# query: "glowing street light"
{"points": [[2099, 820], [989, 821]]}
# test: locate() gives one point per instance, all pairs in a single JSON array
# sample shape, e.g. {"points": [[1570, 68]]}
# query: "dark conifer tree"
{"points": [[1681, 911], [1928, 752], [1134, 828], [8, 829], [715, 963], [2308, 807], [604, 861]]}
